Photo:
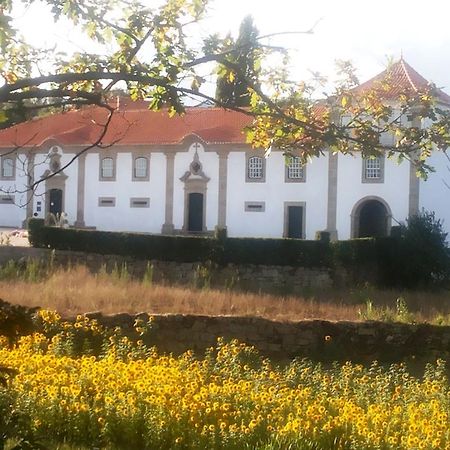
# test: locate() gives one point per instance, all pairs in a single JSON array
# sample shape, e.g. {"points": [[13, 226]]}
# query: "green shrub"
{"points": [[290, 252], [35, 232], [423, 258]]}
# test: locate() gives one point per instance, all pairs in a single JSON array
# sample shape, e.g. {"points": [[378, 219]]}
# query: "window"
{"points": [[8, 167], [107, 201], [295, 170], [373, 170], [140, 169], [255, 206], [107, 169], [255, 168], [7, 199], [140, 202]]}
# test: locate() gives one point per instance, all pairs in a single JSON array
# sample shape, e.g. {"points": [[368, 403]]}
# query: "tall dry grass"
{"points": [[75, 291]]}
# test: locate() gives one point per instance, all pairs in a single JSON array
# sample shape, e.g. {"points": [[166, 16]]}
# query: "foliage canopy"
{"points": [[151, 50]]}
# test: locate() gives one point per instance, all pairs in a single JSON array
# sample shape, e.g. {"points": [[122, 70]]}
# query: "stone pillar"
{"points": [[223, 182], [168, 227], [332, 195], [81, 190], [30, 192], [414, 181]]}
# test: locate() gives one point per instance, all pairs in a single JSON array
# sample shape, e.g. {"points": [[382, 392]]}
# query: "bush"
{"points": [[424, 257]]}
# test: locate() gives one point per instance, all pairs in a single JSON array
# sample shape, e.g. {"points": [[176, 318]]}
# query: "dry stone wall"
{"points": [[276, 279], [316, 339]]}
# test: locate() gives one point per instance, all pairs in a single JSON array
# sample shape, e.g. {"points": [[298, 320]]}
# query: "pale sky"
{"points": [[367, 33]]}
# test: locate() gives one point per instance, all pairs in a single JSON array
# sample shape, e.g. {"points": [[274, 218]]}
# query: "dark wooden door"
{"points": [[55, 204], [295, 222], [195, 212]]}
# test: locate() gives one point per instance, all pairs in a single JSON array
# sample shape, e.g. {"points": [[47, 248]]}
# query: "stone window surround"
{"points": [[248, 155], [255, 206], [113, 157], [287, 179], [136, 155], [378, 180], [138, 202], [286, 217], [106, 202], [7, 199], [2, 161]]}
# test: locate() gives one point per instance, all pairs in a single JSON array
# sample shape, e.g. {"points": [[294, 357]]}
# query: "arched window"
{"points": [[7, 168], [107, 168], [140, 169], [255, 168]]}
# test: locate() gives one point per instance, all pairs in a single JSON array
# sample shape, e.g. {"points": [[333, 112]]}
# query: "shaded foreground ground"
{"points": [[76, 291]]}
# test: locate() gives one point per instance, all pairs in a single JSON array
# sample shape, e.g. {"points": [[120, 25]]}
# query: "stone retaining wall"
{"points": [[317, 339], [274, 279]]}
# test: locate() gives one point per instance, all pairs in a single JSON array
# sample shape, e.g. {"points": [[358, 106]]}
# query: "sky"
{"points": [[367, 33]]}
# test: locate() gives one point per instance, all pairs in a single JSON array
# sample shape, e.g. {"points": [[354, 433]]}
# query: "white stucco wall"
{"points": [[122, 217], [210, 166], [274, 192], [350, 190], [434, 194], [13, 215]]}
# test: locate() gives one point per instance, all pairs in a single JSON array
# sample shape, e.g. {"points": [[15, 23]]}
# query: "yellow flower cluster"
{"points": [[230, 399]]}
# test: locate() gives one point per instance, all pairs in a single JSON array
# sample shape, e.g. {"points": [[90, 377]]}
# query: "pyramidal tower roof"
{"points": [[400, 78]]}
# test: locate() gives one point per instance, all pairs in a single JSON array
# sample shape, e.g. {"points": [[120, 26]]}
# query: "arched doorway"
{"points": [[371, 217]]}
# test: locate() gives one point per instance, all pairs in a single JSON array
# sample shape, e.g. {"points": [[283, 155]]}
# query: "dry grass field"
{"points": [[75, 291]]}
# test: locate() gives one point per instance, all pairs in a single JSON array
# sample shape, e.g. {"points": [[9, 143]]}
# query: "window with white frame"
{"points": [[295, 170], [255, 168], [107, 168], [373, 170], [7, 169], [140, 169]]}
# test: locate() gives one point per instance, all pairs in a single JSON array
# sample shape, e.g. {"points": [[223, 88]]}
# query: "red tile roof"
{"points": [[400, 78], [134, 124]]}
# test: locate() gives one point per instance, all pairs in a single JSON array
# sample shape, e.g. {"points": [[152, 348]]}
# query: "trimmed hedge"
{"points": [[220, 250], [142, 246], [278, 252], [390, 262]]}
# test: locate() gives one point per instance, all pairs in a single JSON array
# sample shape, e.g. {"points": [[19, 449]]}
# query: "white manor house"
{"points": [[194, 173]]}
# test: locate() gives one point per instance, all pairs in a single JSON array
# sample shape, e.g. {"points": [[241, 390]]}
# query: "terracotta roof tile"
{"points": [[402, 78], [129, 126]]}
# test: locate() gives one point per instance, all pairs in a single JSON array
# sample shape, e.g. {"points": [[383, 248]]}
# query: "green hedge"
{"points": [[282, 252], [389, 262], [183, 248], [369, 259], [142, 246]]}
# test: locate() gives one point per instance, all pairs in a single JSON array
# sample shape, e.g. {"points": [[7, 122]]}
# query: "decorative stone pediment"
{"points": [[54, 162], [195, 171]]}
